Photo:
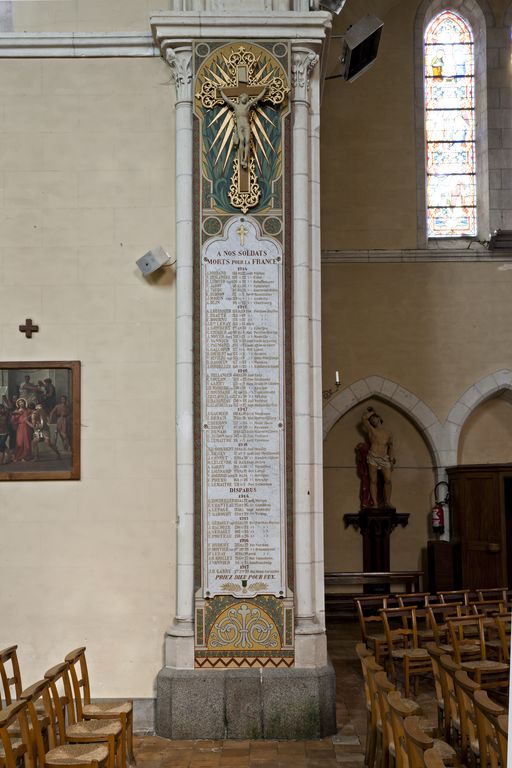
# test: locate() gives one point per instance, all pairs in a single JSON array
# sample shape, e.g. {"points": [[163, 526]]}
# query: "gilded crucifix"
{"points": [[240, 83]]}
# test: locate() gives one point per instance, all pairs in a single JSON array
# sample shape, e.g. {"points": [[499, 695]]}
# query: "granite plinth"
{"points": [[246, 704]]}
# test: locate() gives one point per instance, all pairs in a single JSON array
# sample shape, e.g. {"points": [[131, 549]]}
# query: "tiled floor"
{"points": [[345, 750]]}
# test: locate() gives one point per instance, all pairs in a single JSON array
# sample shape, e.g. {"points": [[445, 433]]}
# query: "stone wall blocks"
{"points": [[424, 414], [405, 399], [389, 388], [504, 378], [343, 401], [361, 389], [331, 416], [487, 386], [375, 383], [471, 397], [458, 413]]}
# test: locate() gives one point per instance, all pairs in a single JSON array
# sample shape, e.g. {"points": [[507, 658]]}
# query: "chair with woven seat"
{"points": [[374, 731], [63, 755], [433, 759], [419, 601], [104, 710], [493, 593], [10, 676], [448, 667], [364, 653], [74, 731], [455, 596], [400, 627], [370, 624], [417, 741], [501, 724], [467, 635], [435, 652], [465, 689], [487, 713], [502, 646], [14, 736], [437, 614], [385, 686], [400, 708]]}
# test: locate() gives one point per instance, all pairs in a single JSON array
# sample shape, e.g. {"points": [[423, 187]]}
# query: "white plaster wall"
{"points": [[83, 15], [86, 187]]}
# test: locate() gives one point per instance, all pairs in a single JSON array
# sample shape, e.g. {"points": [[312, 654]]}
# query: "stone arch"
{"points": [[475, 395], [390, 392], [481, 17]]}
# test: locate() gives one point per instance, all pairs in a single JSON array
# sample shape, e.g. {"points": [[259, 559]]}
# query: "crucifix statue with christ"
{"points": [[239, 83], [241, 113]]}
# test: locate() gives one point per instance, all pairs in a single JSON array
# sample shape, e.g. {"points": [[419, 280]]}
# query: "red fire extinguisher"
{"points": [[438, 509]]}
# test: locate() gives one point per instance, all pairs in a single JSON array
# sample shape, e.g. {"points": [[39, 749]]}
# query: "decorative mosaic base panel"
{"points": [[257, 632]]}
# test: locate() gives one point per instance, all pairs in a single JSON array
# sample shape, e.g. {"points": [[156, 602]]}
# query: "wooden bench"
{"points": [[340, 603]]}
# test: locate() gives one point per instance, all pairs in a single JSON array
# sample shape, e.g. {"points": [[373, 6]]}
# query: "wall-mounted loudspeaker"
{"points": [[361, 43]]}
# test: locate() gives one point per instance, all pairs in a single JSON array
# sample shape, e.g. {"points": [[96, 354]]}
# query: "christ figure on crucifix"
{"points": [[241, 113]]}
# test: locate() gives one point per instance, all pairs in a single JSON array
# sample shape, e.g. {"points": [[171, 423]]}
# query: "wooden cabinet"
{"points": [[481, 523]]}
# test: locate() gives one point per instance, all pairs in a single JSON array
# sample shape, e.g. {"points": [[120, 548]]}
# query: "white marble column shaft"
{"points": [[304, 60], [180, 59]]}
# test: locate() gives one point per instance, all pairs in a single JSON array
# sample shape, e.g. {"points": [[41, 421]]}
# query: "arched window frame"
{"points": [[478, 16]]}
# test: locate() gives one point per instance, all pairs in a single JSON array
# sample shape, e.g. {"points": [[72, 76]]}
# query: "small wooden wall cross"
{"points": [[28, 329]]}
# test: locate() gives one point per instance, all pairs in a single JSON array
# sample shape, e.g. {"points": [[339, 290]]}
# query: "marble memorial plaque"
{"points": [[242, 413]]}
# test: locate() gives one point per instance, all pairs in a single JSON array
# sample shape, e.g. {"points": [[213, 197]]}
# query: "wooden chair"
{"points": [[63, 755], [435, 652], [417, 741], [448, 667], [10, 676], [494, 593], [414, 599], [468, 641], [363, 653], [455, 596], [488, 608], [400, 708], [502, 622], [501, 724], [437, 615], [465, 689], [106, 710], [419, 601], [384, 686], [370, 624], [374, 732], [402, 639], [487, 713], [74, 731], [433, 759], [14, 736]]}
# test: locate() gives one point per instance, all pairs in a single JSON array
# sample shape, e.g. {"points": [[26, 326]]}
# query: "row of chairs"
{"points": [[398, 733], [468, 718], [54, 722], [480, 629]]}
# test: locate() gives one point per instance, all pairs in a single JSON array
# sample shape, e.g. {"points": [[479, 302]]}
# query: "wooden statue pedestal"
{"points": [[375, 525]]}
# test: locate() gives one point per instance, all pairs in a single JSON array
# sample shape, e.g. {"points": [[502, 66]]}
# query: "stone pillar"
{"points": [[179, 646], [309, 629], [282, 700]]}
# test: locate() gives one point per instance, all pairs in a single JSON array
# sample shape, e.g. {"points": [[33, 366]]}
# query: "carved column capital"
{"points": [[180, 62], [304, 60]]}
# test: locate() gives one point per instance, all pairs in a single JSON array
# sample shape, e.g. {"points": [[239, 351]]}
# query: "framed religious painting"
{"points": [[40, 421]]}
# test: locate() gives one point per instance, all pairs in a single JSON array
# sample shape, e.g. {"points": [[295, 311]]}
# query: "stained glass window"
{"points": [[450, 127]]}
